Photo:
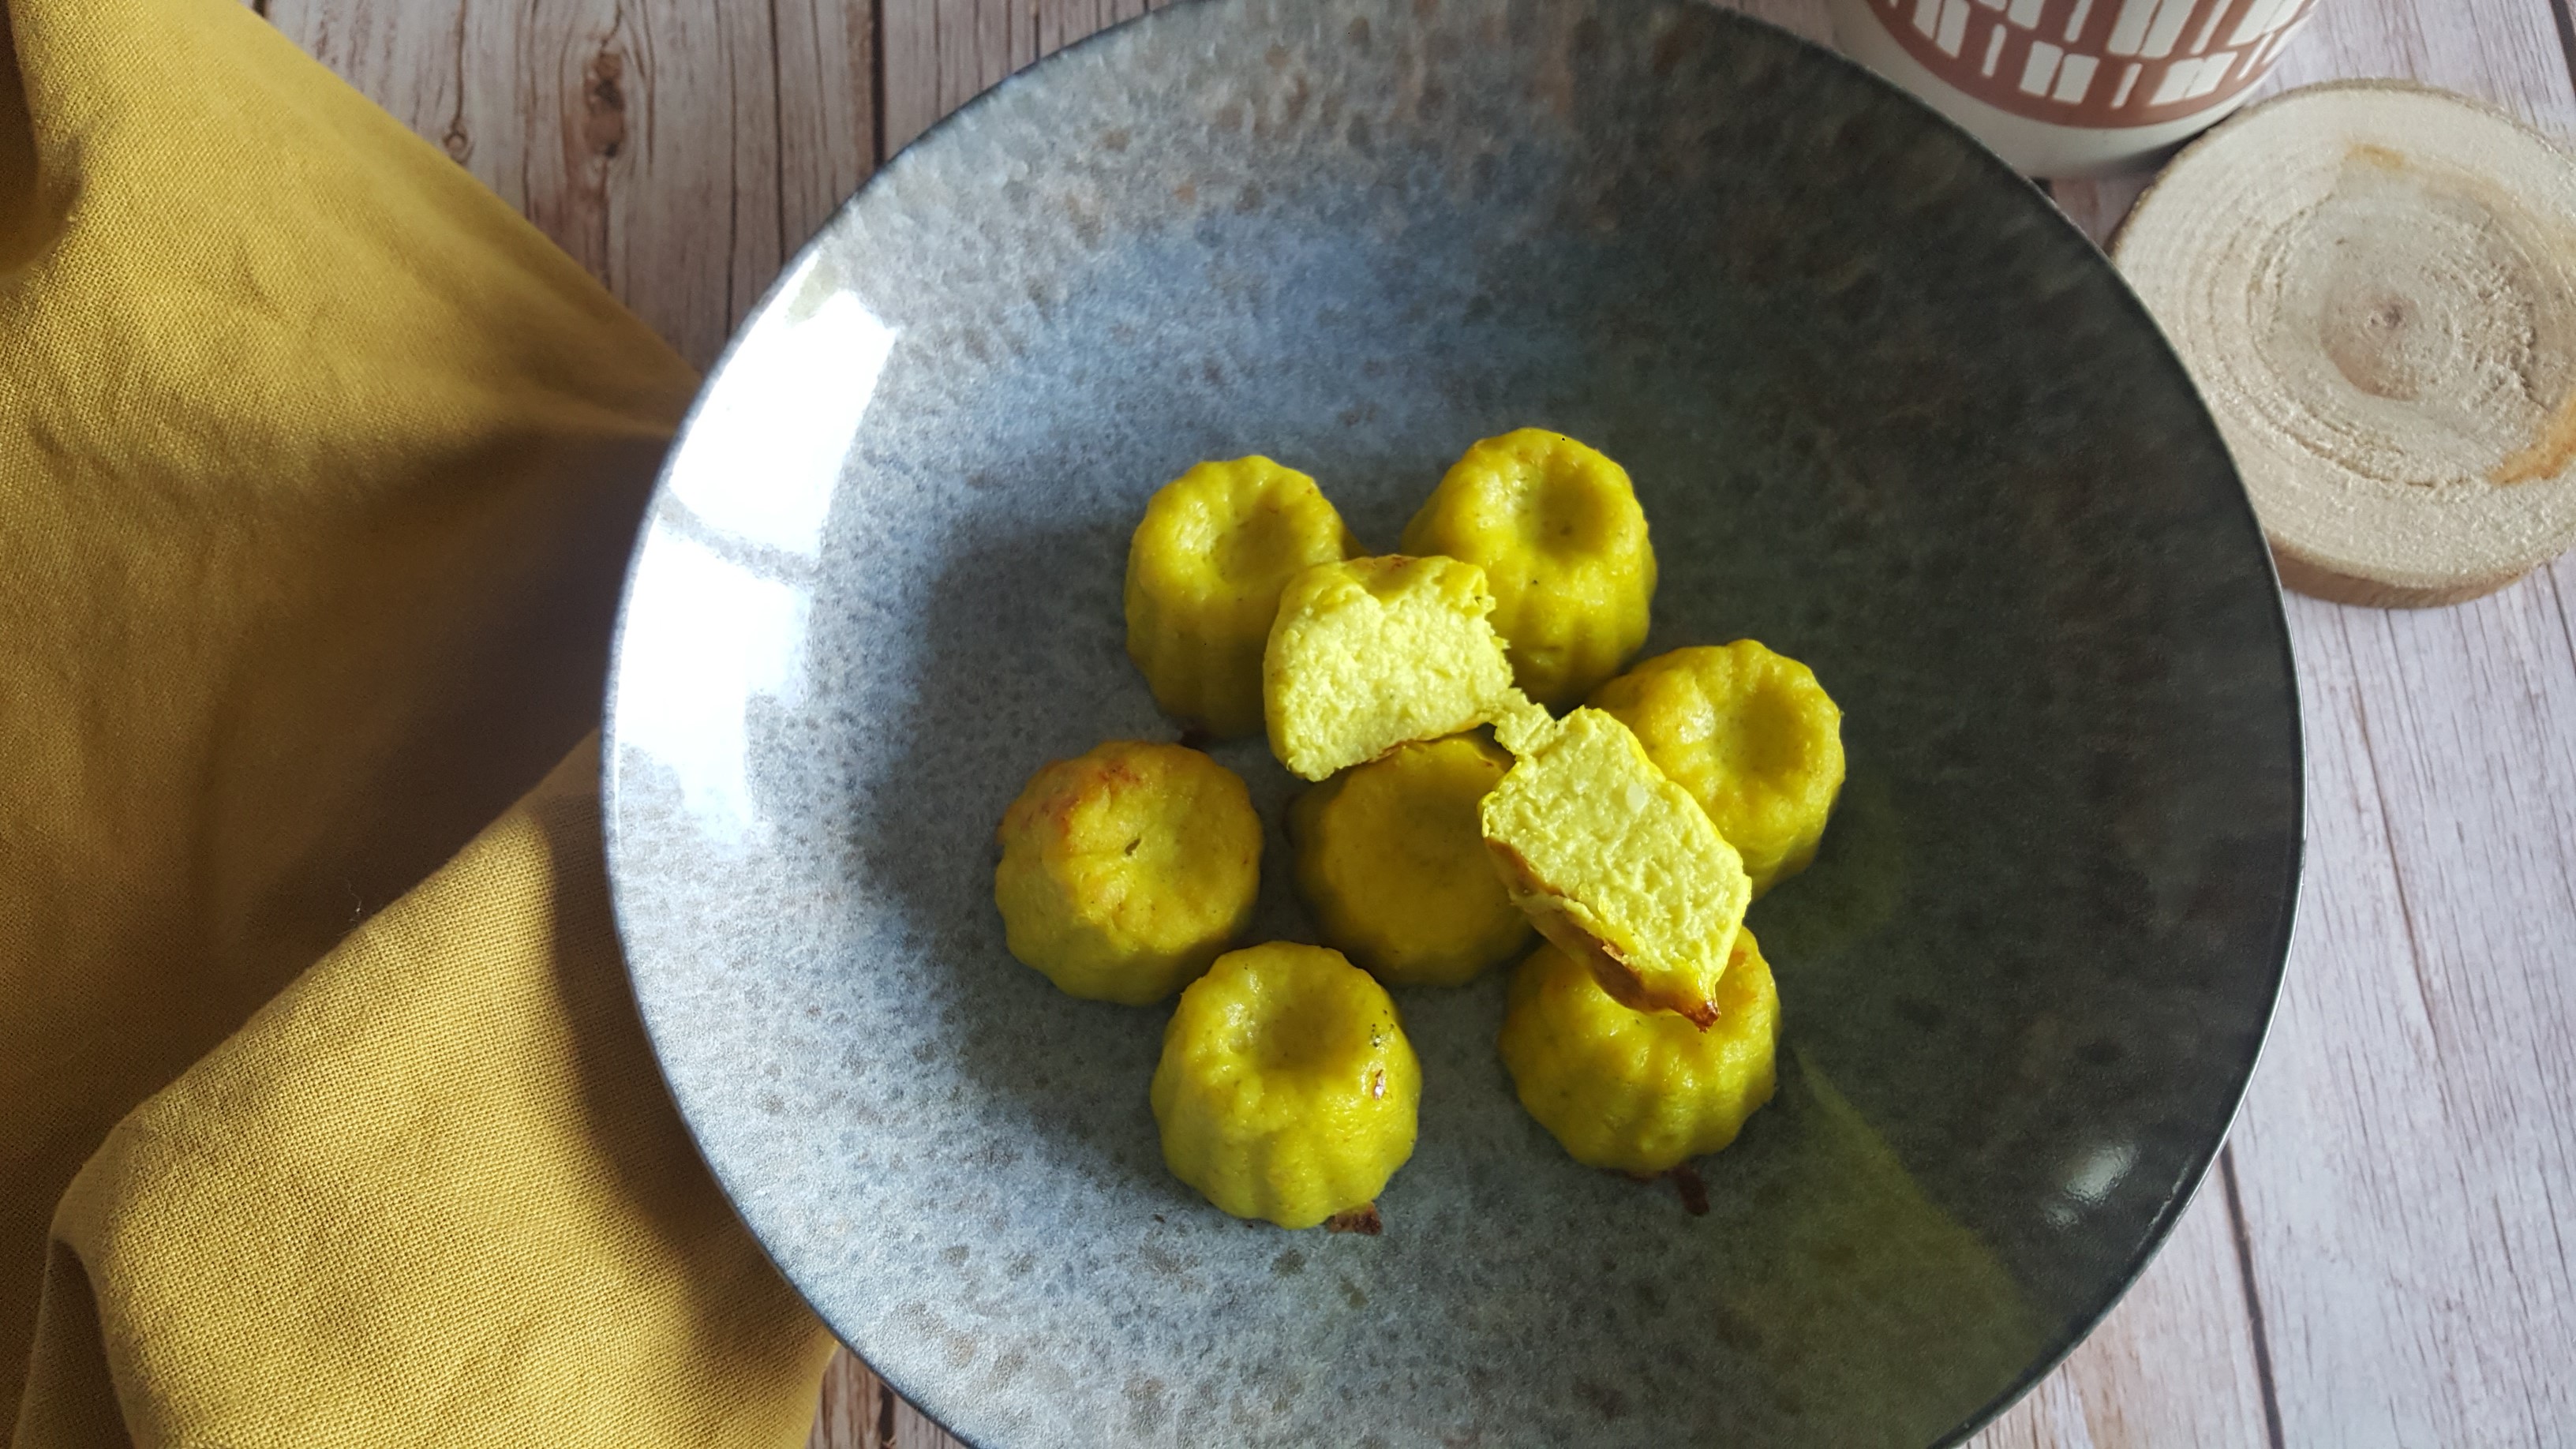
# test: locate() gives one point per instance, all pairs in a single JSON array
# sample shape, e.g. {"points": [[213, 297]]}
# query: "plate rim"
{"points": [[2274, 960]]}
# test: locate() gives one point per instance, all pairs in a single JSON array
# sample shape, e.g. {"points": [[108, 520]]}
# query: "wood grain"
{"points": [[859, 1412], [2408, 1153], [940, 54], [2382, 1258], [642, 135], [826, 116], [2404, 1155], [2405, 1149]]}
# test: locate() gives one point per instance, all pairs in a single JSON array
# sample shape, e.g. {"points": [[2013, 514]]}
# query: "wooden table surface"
{"points": [[2379, 1257]]}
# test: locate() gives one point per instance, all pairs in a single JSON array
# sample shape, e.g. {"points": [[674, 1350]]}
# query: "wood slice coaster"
{"points": [[2374, 284]]}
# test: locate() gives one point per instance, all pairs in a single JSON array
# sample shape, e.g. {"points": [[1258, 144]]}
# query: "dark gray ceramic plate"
{"points": [[1887, 411]]}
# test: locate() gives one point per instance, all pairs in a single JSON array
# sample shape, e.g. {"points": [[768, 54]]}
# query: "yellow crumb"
{"points": [[1617, 864], [1368, 654]]}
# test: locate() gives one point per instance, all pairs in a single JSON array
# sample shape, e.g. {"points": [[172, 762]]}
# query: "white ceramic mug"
{"points": [[2073, 87]]}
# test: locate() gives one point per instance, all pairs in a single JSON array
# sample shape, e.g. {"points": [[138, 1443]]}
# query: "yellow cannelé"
{"points": [[1391, 857], [1639, 1091], [1286, 1089], [1126, 870], [1558, 531], [1752, 736], [1204, 571]]}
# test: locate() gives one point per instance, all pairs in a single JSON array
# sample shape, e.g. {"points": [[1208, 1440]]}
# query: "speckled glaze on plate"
{"points": [[1887, 412]]}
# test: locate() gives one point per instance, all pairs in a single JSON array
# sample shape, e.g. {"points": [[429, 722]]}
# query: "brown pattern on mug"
{"points": [[2096, 63]]}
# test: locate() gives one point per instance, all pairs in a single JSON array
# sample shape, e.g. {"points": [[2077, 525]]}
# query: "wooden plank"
{"points": [[2502, 51], [857, 1410], [827, 110], [1062, 22], [2409, 1149], [2407, 1146], [621, 129], [2408, 1165], [2098, 206], [940, 54], [406, 58]]}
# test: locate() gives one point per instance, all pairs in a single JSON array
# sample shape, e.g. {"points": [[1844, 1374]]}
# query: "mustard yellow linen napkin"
{"points": [[318, 467]]}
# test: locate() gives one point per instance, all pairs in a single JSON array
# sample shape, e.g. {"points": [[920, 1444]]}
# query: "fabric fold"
{"points": [[319, 467], [434, 1193]]}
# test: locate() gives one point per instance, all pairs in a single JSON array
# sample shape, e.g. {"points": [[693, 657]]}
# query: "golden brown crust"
{"points": [[1362, 1220], [1693, 1189], [1535, 896]]}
